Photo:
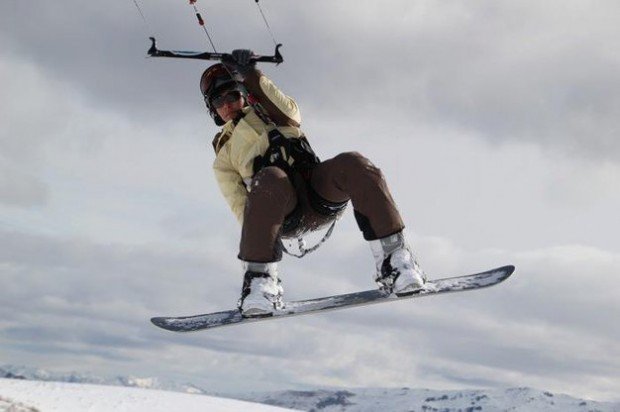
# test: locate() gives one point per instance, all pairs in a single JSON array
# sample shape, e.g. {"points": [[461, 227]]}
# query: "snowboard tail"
{"points": [[303, 307]]}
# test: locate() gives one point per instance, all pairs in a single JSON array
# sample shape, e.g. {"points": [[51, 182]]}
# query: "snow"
{"points": [[405, 399], [37, 390], [38, 396]]}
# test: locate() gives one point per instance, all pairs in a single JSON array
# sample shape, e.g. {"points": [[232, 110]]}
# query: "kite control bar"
{"points": [[155, 52]]}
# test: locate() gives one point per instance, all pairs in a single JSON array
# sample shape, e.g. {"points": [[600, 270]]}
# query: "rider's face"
{"points": [[229, 105]]}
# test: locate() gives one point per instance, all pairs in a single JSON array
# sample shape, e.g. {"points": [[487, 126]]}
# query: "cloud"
{"points": [[25, 142], [19, 189], [494, 124], [510, 72], [537, 72], [93, 301]]}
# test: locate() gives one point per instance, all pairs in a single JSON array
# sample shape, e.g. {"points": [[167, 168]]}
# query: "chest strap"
{"points": [[289, 154]]}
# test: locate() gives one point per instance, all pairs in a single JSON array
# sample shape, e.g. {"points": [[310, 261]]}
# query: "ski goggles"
{"points": [[226, 98]]}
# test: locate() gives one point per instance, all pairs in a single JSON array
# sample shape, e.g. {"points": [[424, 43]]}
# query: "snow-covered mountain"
{"points": [[350, 400], [26, 373], [425, 400]]}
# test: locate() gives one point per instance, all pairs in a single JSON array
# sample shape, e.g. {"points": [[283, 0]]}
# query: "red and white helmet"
{"points": [[216, 80]]}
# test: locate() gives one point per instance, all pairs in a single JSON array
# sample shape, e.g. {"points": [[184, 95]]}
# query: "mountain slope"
{"points": [[425, 400], [35, 374], [351, 400], [34, 396]]}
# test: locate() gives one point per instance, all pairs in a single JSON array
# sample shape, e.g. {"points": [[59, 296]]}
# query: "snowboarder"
{"points": [[277, 187]]}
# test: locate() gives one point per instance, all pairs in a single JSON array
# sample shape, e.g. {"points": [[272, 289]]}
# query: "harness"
{"points": [[289, 154], [296, 158]]}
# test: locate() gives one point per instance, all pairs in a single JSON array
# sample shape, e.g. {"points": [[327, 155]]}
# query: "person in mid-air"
{"points": [[277, 187]]}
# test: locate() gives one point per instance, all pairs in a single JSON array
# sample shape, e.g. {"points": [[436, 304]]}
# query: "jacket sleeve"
{"points": [[282, 109], [230, 183]]}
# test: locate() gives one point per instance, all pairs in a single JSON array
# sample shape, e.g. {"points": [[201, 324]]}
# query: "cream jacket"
{"points": [[242, 140]]}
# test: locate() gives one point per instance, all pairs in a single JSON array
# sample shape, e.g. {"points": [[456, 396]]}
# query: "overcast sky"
{"points": [[495, 123]]}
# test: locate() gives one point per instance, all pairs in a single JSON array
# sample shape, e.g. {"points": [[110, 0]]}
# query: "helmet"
{"points": [[218, 79]]}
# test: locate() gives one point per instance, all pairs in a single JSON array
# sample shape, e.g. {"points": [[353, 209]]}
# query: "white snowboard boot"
{"points": [[262, 291], [397, 269]]}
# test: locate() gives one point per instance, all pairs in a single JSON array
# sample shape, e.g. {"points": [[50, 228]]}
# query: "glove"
{"points": [[241, 61]]}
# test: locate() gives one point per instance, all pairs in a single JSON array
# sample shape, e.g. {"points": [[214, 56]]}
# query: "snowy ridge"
{"points": [[39, 396], [332, 400], [426, 400], [25, 373]]}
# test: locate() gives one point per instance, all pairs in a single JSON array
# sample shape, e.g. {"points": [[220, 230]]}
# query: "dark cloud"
{"points": [[510, 72]]}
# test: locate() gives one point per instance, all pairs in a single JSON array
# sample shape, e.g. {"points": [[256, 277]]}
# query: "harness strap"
{"points": [[293, 155], [301, 243]]}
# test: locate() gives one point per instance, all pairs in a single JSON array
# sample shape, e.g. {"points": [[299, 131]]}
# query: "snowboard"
{"points": [[304, 307]]}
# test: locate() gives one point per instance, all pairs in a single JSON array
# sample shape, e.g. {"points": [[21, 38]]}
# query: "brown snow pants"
{"points": [[348, 176]]}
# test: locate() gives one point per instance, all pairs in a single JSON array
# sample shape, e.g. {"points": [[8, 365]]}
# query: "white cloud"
{"points": [[17, 188], [480, 116], [541, 327]]}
